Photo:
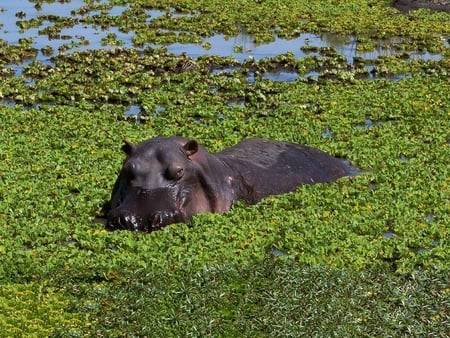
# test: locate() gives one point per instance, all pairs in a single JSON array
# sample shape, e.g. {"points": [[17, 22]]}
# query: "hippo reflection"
{"points": [[167, 180]]}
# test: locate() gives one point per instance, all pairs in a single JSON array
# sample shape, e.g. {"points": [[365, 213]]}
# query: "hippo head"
{"points": [[159, 184]]}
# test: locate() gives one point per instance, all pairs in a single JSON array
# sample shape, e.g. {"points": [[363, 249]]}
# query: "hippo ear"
{"points": [[191, 147], [128, 147]]}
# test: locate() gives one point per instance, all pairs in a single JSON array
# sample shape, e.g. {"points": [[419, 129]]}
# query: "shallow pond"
{"points": [[79, 35]]}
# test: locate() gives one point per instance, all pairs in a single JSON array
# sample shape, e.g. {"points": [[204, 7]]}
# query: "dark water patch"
{"points": [[431, 245], [388, 235], [160, 109], [8, 103], [327, 133], [135, 114], [141, 114], [403, 158], [278, 74], [236, 103], [155, 14], [368, 124], [377, 72], [18, 103], [427, 247], [436, 242], [312, 76], [226, 71], [430, 218], [133, 110], [281, 76], [277, 252]]}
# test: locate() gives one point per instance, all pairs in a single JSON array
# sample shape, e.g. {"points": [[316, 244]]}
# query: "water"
{"points": [[277, 252], [388, 235], [80, 36], [346, 46], [86, 36]]}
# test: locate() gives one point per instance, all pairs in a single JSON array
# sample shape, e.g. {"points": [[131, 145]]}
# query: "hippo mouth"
{"points": [[145, 210], [140, 223]]}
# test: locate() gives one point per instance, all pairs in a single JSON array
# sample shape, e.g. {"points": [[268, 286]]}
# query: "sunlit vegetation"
{"points": [[364, 256]]}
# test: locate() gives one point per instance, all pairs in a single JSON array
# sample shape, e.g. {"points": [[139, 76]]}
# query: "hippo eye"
{"points": [[180, 173], [174, 173], [129, 170]]}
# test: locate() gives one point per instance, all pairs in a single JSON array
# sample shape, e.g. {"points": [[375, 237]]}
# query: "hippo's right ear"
{"points": [[191, 147], [128, 147]]}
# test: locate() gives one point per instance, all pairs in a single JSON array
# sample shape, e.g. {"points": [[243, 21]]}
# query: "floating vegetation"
{"points": [[357, 79], [132, 25]]}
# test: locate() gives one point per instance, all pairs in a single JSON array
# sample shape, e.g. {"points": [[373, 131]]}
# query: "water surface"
{"points": [[81, 36]]}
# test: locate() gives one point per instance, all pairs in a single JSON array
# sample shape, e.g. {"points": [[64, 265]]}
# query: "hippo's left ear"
{"points": [[191, 147], [128, 147]]}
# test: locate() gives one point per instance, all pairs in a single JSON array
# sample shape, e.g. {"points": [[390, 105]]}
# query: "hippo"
{"points": [[167, 180], [407, 5]]}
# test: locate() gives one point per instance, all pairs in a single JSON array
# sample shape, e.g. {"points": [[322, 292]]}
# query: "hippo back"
{"points": [[274, 167]]}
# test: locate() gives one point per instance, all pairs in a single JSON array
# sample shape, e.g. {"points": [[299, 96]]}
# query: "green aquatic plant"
{"points": [[366, 255]]}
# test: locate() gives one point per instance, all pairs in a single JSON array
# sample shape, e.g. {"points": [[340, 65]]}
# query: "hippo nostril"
{"points": [[122, 221], [156, 220], [118, 221]]}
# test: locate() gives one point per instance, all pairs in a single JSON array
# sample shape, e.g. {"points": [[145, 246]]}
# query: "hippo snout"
{"points": [[145, 210], [123, 220]]}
